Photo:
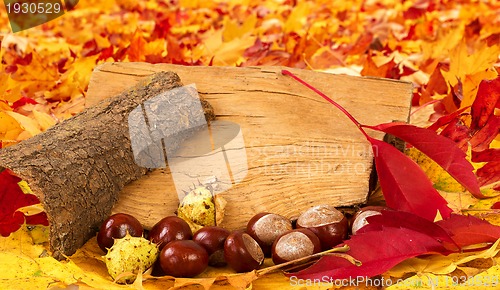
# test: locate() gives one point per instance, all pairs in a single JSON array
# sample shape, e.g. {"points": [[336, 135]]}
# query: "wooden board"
{"points": [[301, 151]]}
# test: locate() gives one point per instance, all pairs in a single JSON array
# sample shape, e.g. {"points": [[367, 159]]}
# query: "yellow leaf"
{"points": [[20, 243], [447, 40], [25, 187], [39, 234], [226, 53], [10, 90], [75, 80], [9, 128], [471, 68], [44, 120], [26, 123], [439, 264], [234, 30], [297, 21], [31, 209], [439, 177]]}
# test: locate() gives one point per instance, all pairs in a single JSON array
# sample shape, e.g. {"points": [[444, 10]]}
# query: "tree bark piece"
{"points": [[78, 167], [301, 151]]}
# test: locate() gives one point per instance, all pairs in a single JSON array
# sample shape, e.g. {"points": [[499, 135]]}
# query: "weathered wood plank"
{"points": [[301, 151]]}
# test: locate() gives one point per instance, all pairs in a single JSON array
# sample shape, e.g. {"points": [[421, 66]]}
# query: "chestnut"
{"points": [[359, 218], [328, 223], [117, 226], [266, 227], [242, 252], [183, 258], [169, 229], [295, 244], [212, 238]]}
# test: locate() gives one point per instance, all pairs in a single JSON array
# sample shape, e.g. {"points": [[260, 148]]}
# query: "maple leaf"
{"points": [[471, 68], [11, 199]]}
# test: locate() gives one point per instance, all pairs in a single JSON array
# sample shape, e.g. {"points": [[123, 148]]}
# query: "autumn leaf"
{"points": [[471, 68], [439, 264], [401, 219], [488, 97], [489, 173], [447, 43], [470, 230], [398, 176], [378, 251], [440, 149], [11, 199], [9, 129]]}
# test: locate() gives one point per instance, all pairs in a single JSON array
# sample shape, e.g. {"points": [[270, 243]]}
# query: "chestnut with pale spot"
{"points": [[359, 220], [295, 244], [328, 223], [266, 227]]}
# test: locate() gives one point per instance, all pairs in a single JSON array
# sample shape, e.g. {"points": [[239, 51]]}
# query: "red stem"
{"points": [[358, 124]]}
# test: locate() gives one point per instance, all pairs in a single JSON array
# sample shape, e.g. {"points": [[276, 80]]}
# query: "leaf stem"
{"points": [[351, 117]]}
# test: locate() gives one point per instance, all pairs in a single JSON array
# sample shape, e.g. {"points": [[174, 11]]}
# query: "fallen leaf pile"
{"points": [[449, 50]]}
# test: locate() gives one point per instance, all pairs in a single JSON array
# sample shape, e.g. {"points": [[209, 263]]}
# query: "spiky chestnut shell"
{"points": [[200, 208], [128, 256]]}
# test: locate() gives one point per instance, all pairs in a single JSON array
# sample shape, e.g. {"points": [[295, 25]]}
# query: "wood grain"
{"points": [[301, 151]]}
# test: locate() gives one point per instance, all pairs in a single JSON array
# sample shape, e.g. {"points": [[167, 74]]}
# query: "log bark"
{"points": [[78, 167]]}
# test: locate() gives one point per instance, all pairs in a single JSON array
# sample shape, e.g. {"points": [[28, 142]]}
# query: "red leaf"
{"points": [[482, 138], [486, 155], [489, 173], [440, 149], [496, 205], [455, 116], [378, 251], [23, 101], [11, 199], [9, 69], [401, 219], [488, 94], [458, 133], [106, 53], [26, 60], [470, 230], [404, 185]]}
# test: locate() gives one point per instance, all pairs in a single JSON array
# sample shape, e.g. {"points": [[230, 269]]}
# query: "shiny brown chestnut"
{"points": [[266, 227], [242, 252], [212, 238], [328, 223], [295, 244], [359, 218], [117, 226], [183, 258], [169, 229]]}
